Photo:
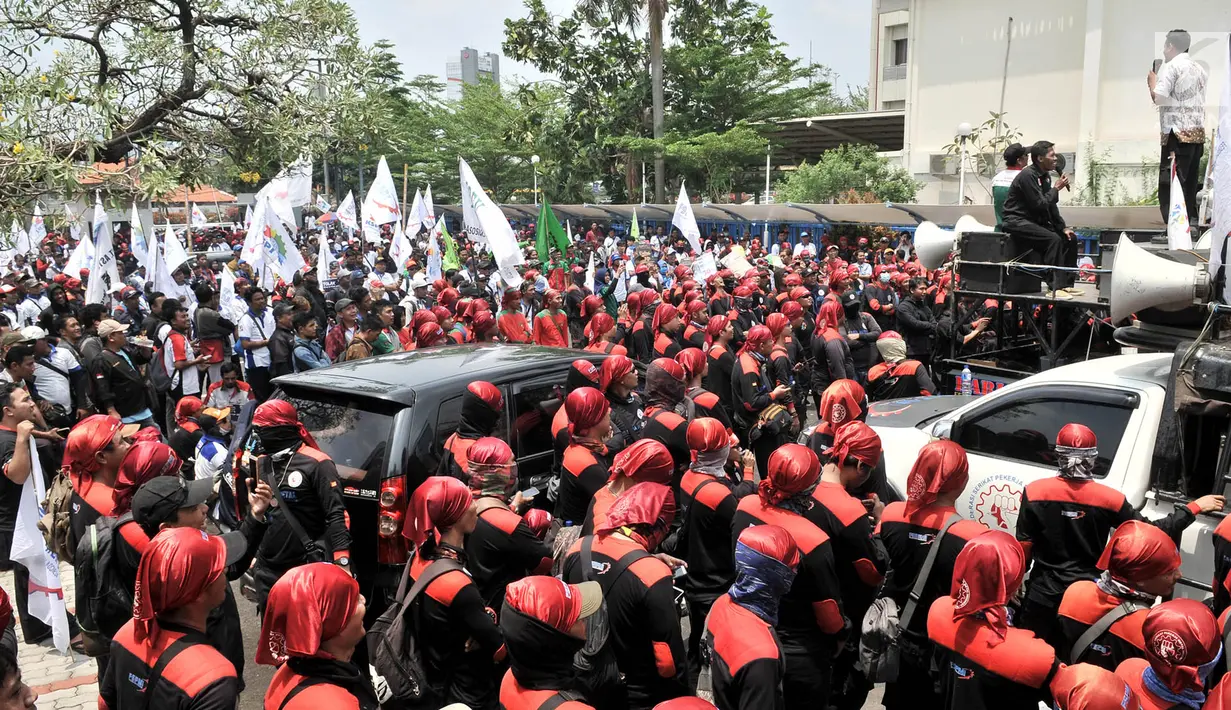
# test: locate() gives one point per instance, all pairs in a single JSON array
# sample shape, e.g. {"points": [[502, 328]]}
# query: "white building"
{"points": [[1076, 76], [471, 67]]}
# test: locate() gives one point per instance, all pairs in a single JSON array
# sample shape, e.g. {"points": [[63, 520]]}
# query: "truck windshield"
{"points": [[353, 431]]}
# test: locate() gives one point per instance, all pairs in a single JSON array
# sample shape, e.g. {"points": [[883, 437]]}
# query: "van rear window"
{"points": [[353, 432]]}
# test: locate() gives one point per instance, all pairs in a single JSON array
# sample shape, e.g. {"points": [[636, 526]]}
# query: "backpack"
{"points": [[393, 641], [104, 601], [55, 523], [159, 377], [880, 654]]}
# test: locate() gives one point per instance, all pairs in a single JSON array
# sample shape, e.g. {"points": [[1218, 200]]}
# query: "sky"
{"points": [[427, 33]]}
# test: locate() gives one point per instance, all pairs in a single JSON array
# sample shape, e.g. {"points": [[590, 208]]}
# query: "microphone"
{"points": [[1061, 164]]}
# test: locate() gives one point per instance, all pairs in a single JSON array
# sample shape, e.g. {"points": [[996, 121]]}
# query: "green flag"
{"points": [[450, 260], [548, 233], [635, 231]]}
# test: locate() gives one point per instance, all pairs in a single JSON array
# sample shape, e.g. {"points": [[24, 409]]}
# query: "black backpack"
{"points": [[104, 601], [393, 642]]}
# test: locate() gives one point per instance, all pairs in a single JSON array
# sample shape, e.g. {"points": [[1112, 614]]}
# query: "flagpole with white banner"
{"points": [[380, 206], [487, 226], [1179, 232], [104, 274], [38, 229], [433, 250], [46, 594], [686, 222], [429, 220]]}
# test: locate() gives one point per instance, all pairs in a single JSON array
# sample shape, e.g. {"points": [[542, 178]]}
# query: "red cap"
{"points": [[986, 575], [1138, 552], [940, 467], [793, 469], [586, 407], [645, 460], [772, 541], [1088, 687], [488, 393], [1181, 635], [858, 441], [439, 502], [707, 434], [692, 360]]}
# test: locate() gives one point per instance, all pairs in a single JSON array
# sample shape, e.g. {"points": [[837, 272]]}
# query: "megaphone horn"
{"points": [[968, 224], [1142, 280], [933, 244]]}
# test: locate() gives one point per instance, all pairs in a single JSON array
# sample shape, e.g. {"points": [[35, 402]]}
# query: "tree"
{"points": [[628, 14], [849, 173], [185, 89]]}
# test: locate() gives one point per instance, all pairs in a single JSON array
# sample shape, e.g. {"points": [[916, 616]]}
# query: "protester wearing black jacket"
{"points": [[1032, 215], [282, 342], [917, 323]]}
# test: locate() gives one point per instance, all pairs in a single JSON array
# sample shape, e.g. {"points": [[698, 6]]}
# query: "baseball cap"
{"points": [[419, 281], [158, 501], [108, 326], [217, 414], [342, 304], [33, 332], [32, 283], [128, 292], [282, 309], [7, 288], [13, 337]]}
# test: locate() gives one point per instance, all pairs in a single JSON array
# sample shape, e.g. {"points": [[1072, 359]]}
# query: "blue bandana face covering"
{"points": [[1194, 699], [760, 583]]}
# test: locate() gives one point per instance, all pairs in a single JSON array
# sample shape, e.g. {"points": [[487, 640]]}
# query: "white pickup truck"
{"points": [[1008, 436]]}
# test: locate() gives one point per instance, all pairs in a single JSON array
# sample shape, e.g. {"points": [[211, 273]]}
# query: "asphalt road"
{"points": [[256, 677]]}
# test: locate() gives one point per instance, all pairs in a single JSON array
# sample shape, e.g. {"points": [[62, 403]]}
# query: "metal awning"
{"points": [[1127, 218], [806, 138]]}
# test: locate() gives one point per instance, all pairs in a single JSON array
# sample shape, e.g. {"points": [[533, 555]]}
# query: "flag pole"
{"points": [[405, 179]]}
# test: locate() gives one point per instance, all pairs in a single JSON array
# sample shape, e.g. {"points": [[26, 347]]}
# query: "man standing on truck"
{"points": [[1064, 522], [309, 499]]}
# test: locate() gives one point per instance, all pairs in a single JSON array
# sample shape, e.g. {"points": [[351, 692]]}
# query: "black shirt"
{"points": [[10, 493]]}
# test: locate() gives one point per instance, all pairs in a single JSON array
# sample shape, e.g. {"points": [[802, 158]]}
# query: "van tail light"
{"points": [[391, 546]]}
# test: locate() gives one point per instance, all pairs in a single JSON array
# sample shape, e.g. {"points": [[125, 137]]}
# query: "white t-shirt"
{"points": [[53, 386], [257, 328], [176, 346], [802, 249]]}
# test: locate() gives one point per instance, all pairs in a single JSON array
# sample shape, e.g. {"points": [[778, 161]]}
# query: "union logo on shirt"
{"points": [[960, 672]]}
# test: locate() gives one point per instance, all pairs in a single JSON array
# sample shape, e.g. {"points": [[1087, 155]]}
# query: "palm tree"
{"points": [[628, 12]]}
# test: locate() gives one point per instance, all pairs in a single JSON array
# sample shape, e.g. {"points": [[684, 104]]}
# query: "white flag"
{"points": [[429, 220], [74, 223], [160, 273], [247, 217], [590, 274], [82, 258], [21, 239], [322, 260], [433, 249], [279, 252], [173, 251], [686, 222], [322, 204], [226, 291], [138, 243], [38, 229], [103, 275], [198, 217], [486, 224], [401, 248], [1221, 222], [46, 595], [414, 218], [381, 204], [253, 251], [621, 289], [346, 212], [292, 186], [1179, 234], [8, 246]]}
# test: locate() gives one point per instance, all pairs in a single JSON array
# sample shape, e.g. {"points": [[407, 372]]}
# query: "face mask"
{"points": [[884, 278]]}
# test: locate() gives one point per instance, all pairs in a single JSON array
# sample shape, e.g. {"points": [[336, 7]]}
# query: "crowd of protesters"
{"points": [[680, 493]]}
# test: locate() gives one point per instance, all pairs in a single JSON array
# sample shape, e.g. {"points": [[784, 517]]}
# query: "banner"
{"points": [[160, 273], [268, 245], [198, 217], [137, 242], [74, 223], [737, 262], [704, 267], [103, 275], [346, 212], [1179, 233], [429, 221], [401, 248], [38, 229], [1222, 180], [684, 220], [227, 297], [433, 249], [548, 234], [414, 218], [173, 251], [450, 259], [381, 204], [290, 188], [46, 600], [322, 259], [21, 238], [322, 204], [487, 226], [634, 229], [83, 258], [590, 274]]}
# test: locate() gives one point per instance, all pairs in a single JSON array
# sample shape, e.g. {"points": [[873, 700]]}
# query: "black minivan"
{"points": [[383, 420]]}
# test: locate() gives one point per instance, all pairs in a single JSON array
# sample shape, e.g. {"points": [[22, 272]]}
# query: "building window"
{"points": [[899, 52]]}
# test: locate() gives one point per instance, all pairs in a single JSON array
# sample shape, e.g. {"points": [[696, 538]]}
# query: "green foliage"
{"points": [[724, 70], [984, 147], [849, 173], [1103, 182], [190, 92]]}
